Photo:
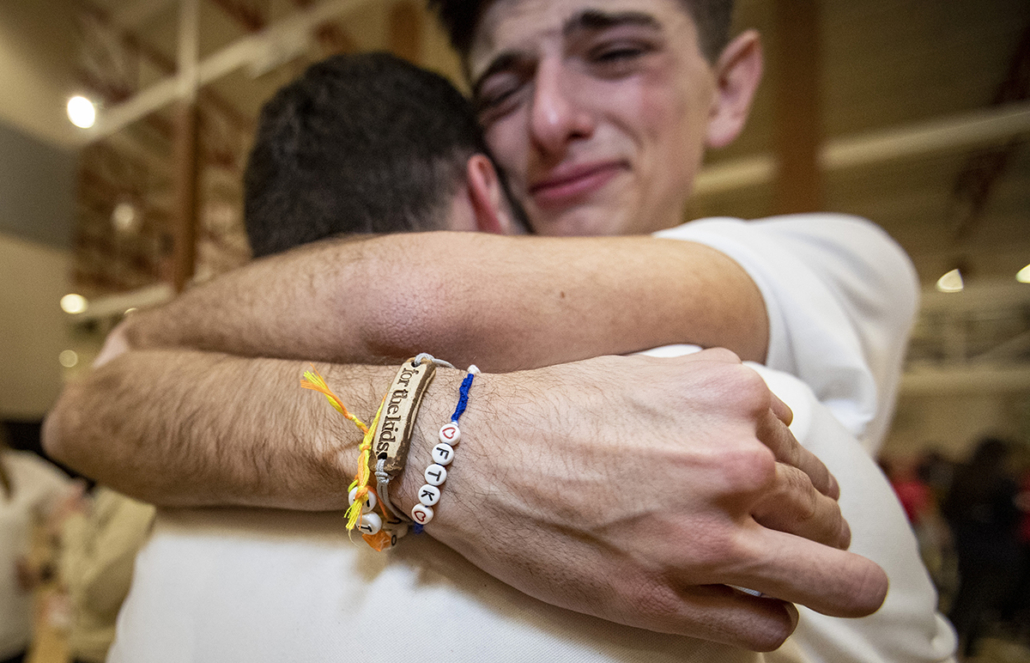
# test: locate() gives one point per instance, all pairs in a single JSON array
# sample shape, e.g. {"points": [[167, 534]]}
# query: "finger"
{"points": [[781, 409], [827, 580], [719, 613], [785, 447], [794, 506]]}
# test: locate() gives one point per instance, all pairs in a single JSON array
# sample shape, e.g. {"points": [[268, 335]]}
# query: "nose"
{"points": [[557, 117]]}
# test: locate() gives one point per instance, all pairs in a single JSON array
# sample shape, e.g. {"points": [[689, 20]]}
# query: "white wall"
{"points": [[33, 329]]}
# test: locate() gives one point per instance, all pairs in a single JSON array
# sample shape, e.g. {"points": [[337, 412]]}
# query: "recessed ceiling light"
{"points": [[82, 112], [951, 282], [1023, 276], [73, 303]]}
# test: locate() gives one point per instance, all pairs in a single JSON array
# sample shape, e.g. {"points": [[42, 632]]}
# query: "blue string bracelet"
{"points": [[443, 454]]}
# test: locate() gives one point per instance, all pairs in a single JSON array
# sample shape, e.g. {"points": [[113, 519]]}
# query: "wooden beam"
{"points": [[185, 178], [185, 168], [798, 120], [405, 33]]}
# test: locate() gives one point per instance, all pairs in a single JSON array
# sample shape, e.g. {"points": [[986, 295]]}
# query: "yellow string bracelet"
{"points": [[313, 380]]}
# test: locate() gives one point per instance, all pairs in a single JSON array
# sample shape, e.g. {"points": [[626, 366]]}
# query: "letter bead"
{"points": [[429, 495], [435, 474], [370, 500], [370, 523], [450, 434], [421, 514], [443, 454]]}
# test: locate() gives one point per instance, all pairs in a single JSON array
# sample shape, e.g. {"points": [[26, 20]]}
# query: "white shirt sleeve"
{"points": [[841, 296]]}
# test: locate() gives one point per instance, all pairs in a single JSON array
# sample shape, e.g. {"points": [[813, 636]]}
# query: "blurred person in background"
{"points": [[1016, 609], [981, 509], [912, 492], [98, 550], [31, 491]]}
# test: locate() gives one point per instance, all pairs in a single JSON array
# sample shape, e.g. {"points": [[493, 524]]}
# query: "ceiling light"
{"points": [[124, 217], [82, 112], [73, 303], [951, 282], [1023, 276], [68, 358]]}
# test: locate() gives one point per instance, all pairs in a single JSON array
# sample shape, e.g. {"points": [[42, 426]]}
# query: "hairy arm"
{"points": [[504, 303], [530, 497]]}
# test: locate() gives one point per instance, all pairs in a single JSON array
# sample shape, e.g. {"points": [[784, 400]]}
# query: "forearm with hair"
{"points": [[192, 428], [504, 303], [187, 428]]}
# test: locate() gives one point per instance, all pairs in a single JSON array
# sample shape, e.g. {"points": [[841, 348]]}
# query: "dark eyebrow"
{"points": [[589, 20], [595, 19]]}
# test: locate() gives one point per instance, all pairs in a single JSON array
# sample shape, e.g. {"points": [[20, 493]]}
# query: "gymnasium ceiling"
{"points": [[886, 70]]}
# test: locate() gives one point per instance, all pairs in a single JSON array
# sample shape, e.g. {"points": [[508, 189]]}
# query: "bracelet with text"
{"points": [[443, 454]]}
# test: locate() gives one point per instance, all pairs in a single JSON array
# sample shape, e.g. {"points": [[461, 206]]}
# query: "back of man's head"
{"points": [[359, 144], [711, 17]]}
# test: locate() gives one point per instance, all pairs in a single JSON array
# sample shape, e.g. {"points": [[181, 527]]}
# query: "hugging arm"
{"points": [[504, 303], [530, 496]]}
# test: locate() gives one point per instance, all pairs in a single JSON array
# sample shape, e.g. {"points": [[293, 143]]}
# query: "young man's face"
{"points": [[597, 109]]}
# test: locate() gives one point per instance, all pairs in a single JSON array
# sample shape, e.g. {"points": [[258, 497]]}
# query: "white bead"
{"points": [[435, 474], [370, 523], [443, 454], [429, 495], [450, 434], [421, 514], [370, 500]]}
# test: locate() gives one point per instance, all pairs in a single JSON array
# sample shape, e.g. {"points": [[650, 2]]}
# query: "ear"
{"points": [[737, 74], [487, 196]]}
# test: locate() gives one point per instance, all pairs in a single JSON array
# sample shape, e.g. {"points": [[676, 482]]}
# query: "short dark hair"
{"points": [[364, 143], [712, 18]]}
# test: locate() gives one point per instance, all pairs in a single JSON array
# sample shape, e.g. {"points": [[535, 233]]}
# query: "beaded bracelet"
{"points": [[443, 454]]}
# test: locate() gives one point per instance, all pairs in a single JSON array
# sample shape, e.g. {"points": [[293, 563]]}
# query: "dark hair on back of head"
{"points": [[362, 143], [712, 18]]}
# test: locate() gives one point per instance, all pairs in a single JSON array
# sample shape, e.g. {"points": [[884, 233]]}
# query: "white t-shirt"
{"points": [[258, 585], [37, 486], [255, 585], [841, 297]]}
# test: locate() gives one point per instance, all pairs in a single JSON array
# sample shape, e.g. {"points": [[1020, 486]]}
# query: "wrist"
{"points": [[437, 407]]}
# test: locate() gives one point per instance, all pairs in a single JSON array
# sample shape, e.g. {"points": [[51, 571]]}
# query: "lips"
{"points": [[566, 185]]}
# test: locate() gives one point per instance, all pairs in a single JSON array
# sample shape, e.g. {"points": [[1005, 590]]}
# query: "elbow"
{"points": [[57, 443], [404, 326], [423, 314]]}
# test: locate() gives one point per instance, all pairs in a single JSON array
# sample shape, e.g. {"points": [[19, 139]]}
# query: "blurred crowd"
{"points": [[69, 545], [972, 521]]}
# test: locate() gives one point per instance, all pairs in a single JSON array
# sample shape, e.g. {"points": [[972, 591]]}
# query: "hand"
{"points": [[635, 489]]}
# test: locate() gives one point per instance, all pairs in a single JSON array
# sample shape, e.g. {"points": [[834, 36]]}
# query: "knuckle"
{"points": [[753, 387], [797, 491], [769, 634], [868, 589], [721, 355], [721, 548], [655, 598], [750, 469], [792, 452]]}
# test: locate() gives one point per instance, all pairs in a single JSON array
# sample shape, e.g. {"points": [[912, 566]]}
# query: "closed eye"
{"points": [[619, 59]]}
